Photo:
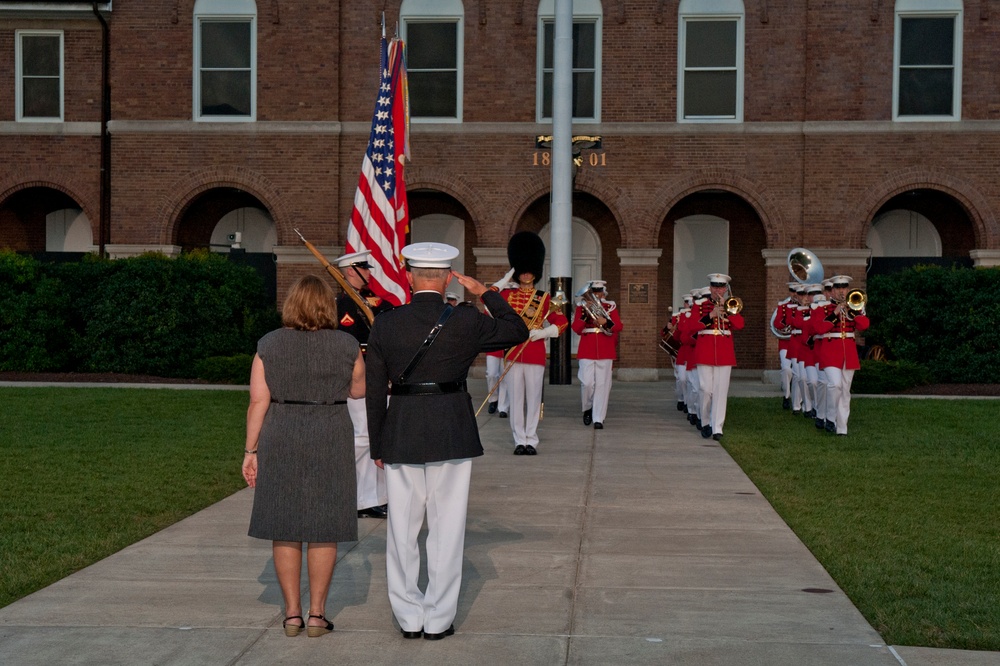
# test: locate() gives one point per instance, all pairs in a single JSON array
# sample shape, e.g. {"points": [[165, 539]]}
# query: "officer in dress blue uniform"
{"points": [[426, 436]]}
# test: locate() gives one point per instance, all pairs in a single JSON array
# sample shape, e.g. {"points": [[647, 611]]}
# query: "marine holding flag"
{"points": [[380, 217]]}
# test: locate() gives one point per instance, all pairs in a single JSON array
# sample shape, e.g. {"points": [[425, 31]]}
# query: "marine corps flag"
{"points": [[380, 217]]}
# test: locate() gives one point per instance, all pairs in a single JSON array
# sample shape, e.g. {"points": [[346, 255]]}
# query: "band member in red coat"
{"points": [[837, 324], [781, 326], [526, 254], [597, 322], [715, 353], [672, 331]]}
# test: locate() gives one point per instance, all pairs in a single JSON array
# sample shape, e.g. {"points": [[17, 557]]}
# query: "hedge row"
{"points": [[945, 320], [143, 315]]}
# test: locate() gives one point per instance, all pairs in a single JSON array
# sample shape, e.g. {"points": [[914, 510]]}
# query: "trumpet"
{"points": [[733, 305], [856, 300]]}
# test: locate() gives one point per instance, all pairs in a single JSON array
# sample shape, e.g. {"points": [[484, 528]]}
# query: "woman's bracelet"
{"points": [[249, 451]]}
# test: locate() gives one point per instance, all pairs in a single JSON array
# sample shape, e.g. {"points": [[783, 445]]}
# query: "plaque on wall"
{"points": [[638, 292]]}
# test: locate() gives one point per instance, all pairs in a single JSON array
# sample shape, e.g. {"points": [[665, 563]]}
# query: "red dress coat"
{"points": [[713, 338], [532, 351], [839, 348], [596, 345], [799, 319]]}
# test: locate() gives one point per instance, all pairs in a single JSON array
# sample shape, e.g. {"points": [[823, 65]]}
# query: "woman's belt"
{"points": [[428, 388], [308, 402]]}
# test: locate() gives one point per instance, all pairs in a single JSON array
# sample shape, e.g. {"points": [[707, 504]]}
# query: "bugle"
{"points": [[856, 300], [733, 305]]}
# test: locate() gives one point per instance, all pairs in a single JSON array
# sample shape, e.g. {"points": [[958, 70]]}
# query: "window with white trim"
{"points": [[586, 95], [225, 60], [710, 61], [927, 77], [433, 31], [39, 71]]}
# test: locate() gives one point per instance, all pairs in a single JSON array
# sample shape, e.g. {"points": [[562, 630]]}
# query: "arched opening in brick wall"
{"points": [[44, 221], [229, 220], [920, 226], [714, 224]]}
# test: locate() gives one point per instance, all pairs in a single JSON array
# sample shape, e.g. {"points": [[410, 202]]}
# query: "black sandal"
{"points": [[292, 630], [313, 632]]}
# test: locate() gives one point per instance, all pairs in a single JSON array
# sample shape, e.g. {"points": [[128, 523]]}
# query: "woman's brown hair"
{"points": [[310, 305]]}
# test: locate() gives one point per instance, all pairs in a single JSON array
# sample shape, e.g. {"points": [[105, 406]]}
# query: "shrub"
{"points": [[876, 377], [225, 369], [941, 319]]}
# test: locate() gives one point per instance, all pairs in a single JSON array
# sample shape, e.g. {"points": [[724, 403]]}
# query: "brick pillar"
{"points": [[640, 314]]}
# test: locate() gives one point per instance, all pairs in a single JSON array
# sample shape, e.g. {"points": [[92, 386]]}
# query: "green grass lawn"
{"points": [[903, 512], [86, 472]]}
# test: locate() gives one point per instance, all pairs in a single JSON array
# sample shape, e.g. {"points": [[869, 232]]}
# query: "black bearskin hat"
{"points": [[526, 254]]}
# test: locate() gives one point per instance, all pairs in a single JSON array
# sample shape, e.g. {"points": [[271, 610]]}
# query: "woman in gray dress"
{"points": [[299, 453]]}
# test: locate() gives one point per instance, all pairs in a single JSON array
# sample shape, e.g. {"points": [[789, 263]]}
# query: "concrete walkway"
{"points": [[639, 544]]}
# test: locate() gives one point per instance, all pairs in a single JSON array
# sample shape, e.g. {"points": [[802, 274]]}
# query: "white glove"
{"points": [[550, 331], [502, 282]]}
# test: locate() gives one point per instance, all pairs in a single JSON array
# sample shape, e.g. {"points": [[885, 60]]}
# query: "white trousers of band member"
{"points": [[714, 381], [801, 398], [786, 373], [838, 397], [494, 370], [371, 480], [693, 392], [680, 385], [595, 386], [820, 392], [524, 388], [440, 491], [812, 381]]}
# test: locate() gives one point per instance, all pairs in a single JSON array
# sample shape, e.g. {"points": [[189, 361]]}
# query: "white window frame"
{"points": [[711, 10], [19, 76], [224, 10], [584, 11], [431, 11], [906, 9]]}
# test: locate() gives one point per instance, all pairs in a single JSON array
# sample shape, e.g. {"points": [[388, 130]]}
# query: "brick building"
{"points": [[732, 131]]}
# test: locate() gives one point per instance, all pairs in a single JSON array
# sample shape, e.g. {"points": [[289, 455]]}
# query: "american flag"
{"points": [[380, 218]]}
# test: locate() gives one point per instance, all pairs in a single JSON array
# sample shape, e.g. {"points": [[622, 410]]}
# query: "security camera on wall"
{"points": [[235, 239]]}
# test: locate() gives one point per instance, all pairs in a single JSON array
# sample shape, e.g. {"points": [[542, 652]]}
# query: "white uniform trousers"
{"points": [[371, 480], [812, 390], [680, 386], [524, 388], [796, 386], [440, 491], [494, 370], [693, 392], [820, 393], [838, 397], [786, 373], [595, 386], [714, 380], [801, 389]]}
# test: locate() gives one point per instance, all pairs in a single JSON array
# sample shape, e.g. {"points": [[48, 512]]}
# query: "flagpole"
{"points": [[561, 208]]}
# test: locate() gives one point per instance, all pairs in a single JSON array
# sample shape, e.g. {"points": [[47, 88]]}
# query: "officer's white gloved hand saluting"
{"points": [[502, 282]]}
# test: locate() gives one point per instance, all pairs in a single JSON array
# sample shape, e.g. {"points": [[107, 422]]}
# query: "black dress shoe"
{"points": [[706, 432], [820, 424], [373, 512], [492, 409], [690, 418], [529, 450], [588, 417], [598, 425], [681, 406], [519, 450], [786, 403], [502, 415], [830, 426], [411, 634], [450, 631], [717, 436]]}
